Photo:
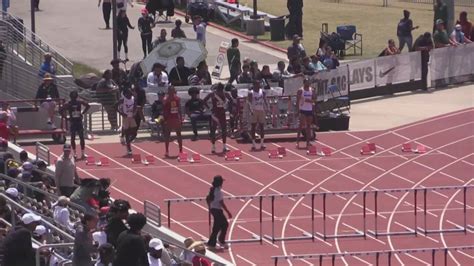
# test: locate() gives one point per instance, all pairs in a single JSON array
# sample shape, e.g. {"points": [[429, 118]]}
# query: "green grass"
{"points": [[80, 69], [377, 24]]}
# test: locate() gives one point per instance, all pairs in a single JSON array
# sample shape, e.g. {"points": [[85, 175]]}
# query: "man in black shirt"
{"points": [[131, 248], [424, 43], [119, 76], [195, 110], [145, 24], [17, 244], [180, 73], [47, 93], [140, 100], [115, 225], [404, 29], [75, 112]]}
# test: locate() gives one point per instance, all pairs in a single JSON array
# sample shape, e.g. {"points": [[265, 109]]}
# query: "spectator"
{"points": [[61, 213], [99, 237], [330, 59], [145, 24], [296, 50], [23, 156], [107, 91], [197, 260], [46, 94], [157, 77], [233, 59], [245, 77], [155, 252], [161, 39], [122, 4], [180, 73], [40, 179], [83, 246], [440, 13], [177, 32], [5, 210], [66, 174], [186, 255], [11, 120], [25, 176], [307, 67], [12, 193], [295, 67], [157, 108], [458, 36], [106, 10], [3, 57], [118, 213], [17, 245], [391, 49], [266, 76], [316, 63], [123, 24], [106, 255], [4, 157], [39, 234], [424, 43], [404, 29], [200, 29], [254, 71], [131, 248], [194, 109], [280, 74], [440, 37], [119, 76], [4, 132], [86, 195], [322, 47], [47, 67], [202, 75], [466, 25]]}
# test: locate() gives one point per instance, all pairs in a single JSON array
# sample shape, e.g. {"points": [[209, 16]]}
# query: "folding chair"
{"points": [[339, 100], [352, 39]]}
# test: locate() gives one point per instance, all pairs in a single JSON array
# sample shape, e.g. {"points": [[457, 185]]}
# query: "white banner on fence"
{"points": [[362, 75], [452, 62], [398, 68], [321, 81]]}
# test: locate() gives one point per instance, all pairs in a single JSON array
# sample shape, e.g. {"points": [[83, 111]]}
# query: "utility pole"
{"points": [[32, 7], [255, 9], [114, 28]]}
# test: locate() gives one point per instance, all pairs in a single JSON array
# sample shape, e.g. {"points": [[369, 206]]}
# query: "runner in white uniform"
{"points": [[257, 103], [127, 108], [305, 100]]}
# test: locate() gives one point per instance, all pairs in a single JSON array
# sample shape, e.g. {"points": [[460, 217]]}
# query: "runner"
{"points": [[74, 108], [219, 105], [127, 108], [172, 119], [257, 103], [305, 100]]}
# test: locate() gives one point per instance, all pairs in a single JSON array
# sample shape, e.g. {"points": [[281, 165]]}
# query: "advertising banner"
{"points": [[362, 75], [452, 62], [397, 68]]}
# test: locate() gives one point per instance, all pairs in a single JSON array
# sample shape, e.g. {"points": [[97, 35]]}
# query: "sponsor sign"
{"points": [[450, 62], [362, 75], [397, 68], [220, 59]]}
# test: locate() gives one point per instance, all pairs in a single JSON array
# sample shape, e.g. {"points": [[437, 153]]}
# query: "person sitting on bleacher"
{"points": [[280, 74], [86, 195], [118, 213], [245, 77], [329, 59], [17, 245], [180, 73], [46, 92], [61, 213], [83, 246], [106, 255], [194, 109], [157, 77], [201, 76], [5, 210]]}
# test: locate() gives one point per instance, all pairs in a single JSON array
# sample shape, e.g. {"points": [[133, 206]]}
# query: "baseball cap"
{"points": [[67, 147], [39, 230], [12, 192], [458, 27], [28, 218], [144, 11], [439, 21], [296, 37], [156, 244], [27, 166]]}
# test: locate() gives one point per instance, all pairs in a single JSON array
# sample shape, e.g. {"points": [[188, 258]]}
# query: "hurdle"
{"points": [[377, 254], [255, 238]]}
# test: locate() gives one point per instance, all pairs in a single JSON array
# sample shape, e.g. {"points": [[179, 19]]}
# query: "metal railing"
{"points": [[29, 45], [152, 212], [47, 246]]}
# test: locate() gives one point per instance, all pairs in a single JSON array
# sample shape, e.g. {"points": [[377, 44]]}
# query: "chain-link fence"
{"points": [[400, 3]]}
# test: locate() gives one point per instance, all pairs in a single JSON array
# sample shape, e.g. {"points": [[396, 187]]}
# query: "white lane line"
{"points": [[423, 165], [324, 166], [465, 254], [309, 234], [337, 195], [302, 179], [417, 259], [246, 260], [453, 177], [351, 178], [252, 233], [466, 162], [375, 166], [440, 194], [402, 178], [361, 260], [368, 235]]}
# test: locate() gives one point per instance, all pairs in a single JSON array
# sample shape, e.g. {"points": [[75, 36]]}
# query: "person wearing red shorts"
{"points": [[172, 119], [219, 104]]}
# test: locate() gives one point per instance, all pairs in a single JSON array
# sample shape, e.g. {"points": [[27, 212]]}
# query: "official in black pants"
{"points": [[145, 24], [295, 23], [123, 24], [215, 200], [106, 11]]}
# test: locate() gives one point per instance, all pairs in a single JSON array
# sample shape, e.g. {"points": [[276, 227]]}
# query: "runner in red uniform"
{"points": [[219, 106], [172, 118]]}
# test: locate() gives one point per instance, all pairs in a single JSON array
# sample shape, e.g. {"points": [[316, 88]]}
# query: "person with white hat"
{"points": [[155, 252], [18, 249], [61, 213], [46, 94], [12, 193], [458, 36], [40, 233]]}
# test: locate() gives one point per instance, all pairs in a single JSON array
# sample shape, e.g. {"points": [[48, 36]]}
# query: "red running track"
{"points": [[449, 161]]}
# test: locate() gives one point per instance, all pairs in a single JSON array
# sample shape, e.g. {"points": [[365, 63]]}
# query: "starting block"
{"points": [[103, 162], [281, 151], [272, 154], [312, 150], [136, 158], [195, 158], [149, 159], [183, 157], [230, 155], [368, 149], [406, 147], [90, 160], [325, 151], [420, 149]]}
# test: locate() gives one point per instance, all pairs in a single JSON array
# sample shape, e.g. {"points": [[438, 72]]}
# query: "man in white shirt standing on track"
{"points": [[127, 109], [305, 102], [257, 102]]}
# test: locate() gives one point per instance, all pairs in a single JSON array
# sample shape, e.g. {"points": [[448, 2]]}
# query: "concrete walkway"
{"points": [[77, 35]]}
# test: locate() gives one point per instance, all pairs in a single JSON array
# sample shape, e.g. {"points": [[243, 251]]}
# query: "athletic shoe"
{"points": [[225, 149], [84, 156], [224, 245], [122, 140], [213, 149], [194, 137]]}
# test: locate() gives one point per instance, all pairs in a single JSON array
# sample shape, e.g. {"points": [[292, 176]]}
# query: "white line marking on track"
{"points": [[453, 177], [325, 167], [246, 260], [354, 136], [292, 152], [351, 178], [375, 166], [423, 165], [361, 260], [417, 259], [466, 162], [309, 234], [369, 236], [402, 178], [302, 179], [252, 233], [465, 254]]}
